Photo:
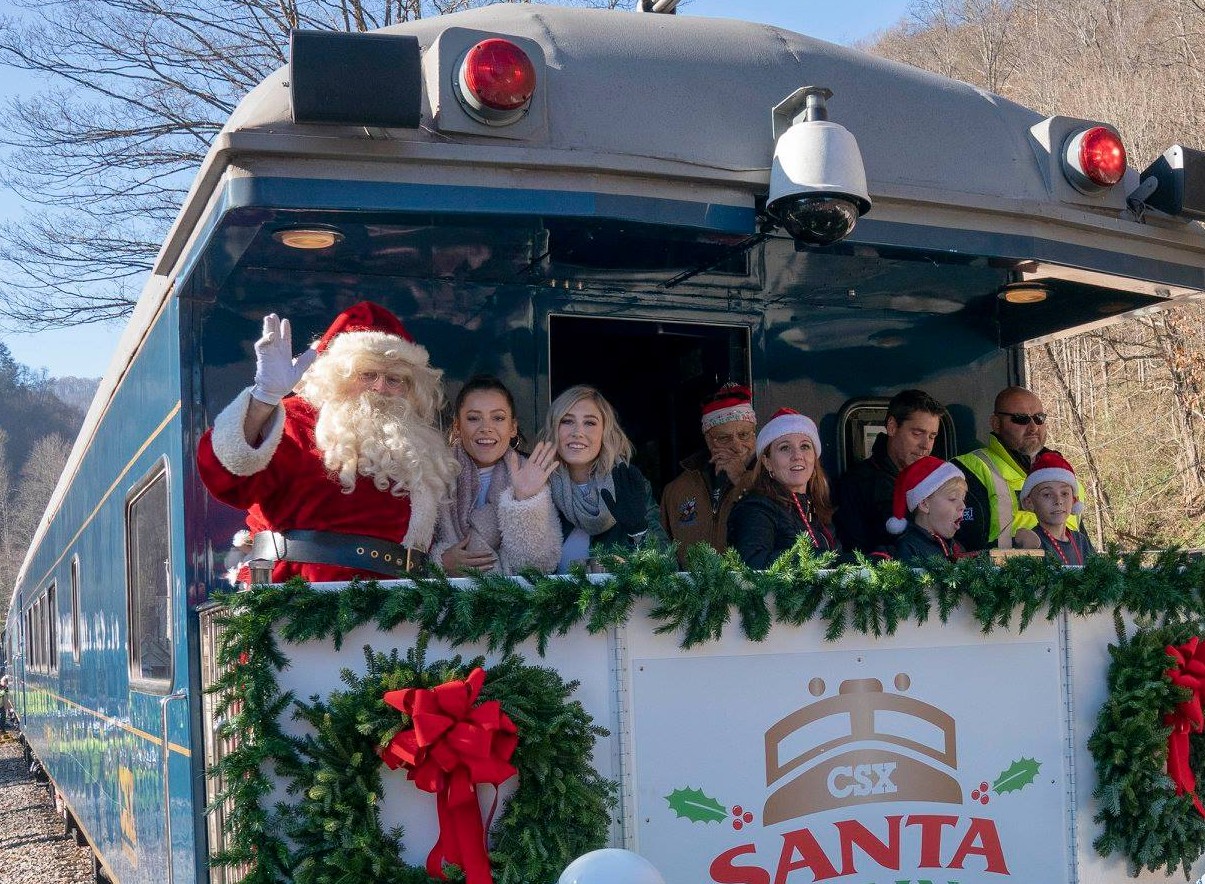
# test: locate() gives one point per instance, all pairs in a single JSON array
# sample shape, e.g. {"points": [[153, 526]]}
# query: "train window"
{"points": [[51, 630], [31, 638], [75, 602], [860, 422], [148, 580]]}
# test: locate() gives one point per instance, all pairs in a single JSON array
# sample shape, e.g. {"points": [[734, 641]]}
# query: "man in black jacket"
{"points": [[865, 492]]}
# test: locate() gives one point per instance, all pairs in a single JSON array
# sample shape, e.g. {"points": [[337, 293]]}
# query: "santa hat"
{"points": [[916, 482], [784, 422], [370, 328], [1050, 466], [733, 402]]}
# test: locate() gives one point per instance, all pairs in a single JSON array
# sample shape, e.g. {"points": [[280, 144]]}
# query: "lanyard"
{"points": [[806, 523], [941, 541], [1058, 548]]}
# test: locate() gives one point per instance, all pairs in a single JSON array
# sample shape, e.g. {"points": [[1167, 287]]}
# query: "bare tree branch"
{"points": [[136, 92]]}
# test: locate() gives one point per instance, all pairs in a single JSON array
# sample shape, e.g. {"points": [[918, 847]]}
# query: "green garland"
{"points": [[1141, 815], [501, 613]]}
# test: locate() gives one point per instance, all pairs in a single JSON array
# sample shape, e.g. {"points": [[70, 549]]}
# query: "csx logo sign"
{"points": [[861, 780]]}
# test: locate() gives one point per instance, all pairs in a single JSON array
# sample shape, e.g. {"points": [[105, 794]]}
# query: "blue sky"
{"points": [[84, 351]]}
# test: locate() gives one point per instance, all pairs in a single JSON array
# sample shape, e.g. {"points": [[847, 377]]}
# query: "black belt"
{"points": [[370, 554]]}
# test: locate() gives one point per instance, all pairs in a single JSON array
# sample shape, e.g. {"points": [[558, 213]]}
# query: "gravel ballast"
{"points": [[34, 846]]}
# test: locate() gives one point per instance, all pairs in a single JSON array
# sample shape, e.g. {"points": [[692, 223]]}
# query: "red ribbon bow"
{"points": [[1189, 672], [452, 747]]}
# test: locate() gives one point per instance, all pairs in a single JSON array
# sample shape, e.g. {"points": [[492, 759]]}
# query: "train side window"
{"points": [[39, 632], [52, 630], [75, 617], [148, 581], [31, 638]]}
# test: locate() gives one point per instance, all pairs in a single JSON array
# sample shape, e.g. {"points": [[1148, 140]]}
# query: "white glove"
{"points": [[276, 371]]}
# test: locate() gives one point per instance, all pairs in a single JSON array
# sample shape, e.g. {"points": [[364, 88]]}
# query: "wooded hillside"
{"points": [[1126, 400], [36, 431]]}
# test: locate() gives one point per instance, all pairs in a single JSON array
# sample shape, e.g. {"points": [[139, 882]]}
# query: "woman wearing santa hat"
{"points": [[790, 497], [602, 499], [501, 518]]}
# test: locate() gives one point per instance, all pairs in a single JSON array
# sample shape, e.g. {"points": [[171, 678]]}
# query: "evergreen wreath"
{"points": [[1141, 815], [333, 832], [697, 606]]}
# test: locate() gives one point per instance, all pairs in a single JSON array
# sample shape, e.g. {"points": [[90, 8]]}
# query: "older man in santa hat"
{"points": [[345, 478]]}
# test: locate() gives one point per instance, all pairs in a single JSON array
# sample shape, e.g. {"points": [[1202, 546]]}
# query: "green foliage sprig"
{"points": [[501, 613]]}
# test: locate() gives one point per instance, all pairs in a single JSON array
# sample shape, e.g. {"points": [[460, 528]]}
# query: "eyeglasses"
{"points": [[1022, 420], [744, 436], [393, 382]]}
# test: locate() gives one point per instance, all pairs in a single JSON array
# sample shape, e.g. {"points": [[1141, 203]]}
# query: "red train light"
{"points": [[1094, 159], [496, 81]]}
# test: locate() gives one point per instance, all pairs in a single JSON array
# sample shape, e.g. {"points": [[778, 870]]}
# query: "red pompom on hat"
{"points": [[784, 422], [732, 402], [364, 317], [916, 482], [1050, 466]]}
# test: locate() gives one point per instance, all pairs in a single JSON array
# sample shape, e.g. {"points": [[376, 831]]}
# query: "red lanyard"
{"points": [[945, 550], [806, 524], [1079, 557]]}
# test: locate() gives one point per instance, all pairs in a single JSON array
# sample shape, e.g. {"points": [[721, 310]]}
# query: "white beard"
{"points": [[381, 438]]}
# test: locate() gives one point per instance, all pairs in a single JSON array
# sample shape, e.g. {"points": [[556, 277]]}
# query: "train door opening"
{"points": [[656, 374]]}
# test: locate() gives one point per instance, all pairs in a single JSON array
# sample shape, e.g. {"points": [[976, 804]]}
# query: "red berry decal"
{"points": [[748, 817]]}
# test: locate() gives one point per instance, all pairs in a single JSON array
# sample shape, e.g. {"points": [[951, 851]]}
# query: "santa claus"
{"points": [[345, 478]]}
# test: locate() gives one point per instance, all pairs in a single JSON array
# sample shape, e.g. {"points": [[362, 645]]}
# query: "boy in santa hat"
{"points": [[345, 478], [930, 495], [1050, 493]]}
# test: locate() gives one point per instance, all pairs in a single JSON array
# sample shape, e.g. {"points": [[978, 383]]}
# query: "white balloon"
{"points": [[610, 866]]}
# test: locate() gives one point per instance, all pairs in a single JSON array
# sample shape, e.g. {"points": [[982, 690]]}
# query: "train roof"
{"points": [[699, 91]]}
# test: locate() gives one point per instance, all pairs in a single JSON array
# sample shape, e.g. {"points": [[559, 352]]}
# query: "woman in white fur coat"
{"points": [[501, 518]]}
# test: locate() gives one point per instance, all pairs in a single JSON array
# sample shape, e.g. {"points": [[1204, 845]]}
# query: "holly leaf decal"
{"points": [[693, 805], [1019, 775]]}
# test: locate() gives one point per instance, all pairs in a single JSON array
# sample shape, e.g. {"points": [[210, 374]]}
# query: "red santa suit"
{"points": [[283, 484]]}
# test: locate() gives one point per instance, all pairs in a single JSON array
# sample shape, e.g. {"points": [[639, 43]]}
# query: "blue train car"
{"points": [[608, 226]]}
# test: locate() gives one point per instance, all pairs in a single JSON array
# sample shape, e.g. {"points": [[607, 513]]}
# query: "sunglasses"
{"points": [[1022, 420]]}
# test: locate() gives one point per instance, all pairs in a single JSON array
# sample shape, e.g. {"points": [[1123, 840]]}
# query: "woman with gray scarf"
{"points": [[501, 519], [602, 499]]}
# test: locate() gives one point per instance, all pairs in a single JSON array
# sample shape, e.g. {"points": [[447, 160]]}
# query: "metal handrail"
{"points": [[167, 792]]}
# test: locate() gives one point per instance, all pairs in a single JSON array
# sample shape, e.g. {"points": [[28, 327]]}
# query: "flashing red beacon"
{"points": [[495, 82], [1094, 159]]}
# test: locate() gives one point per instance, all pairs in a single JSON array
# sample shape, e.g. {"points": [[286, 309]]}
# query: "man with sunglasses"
{"points": [[996, 473], [695, 506]]}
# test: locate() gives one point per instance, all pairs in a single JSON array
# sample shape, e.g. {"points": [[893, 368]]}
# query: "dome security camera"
{"points": [[817, 182]]}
